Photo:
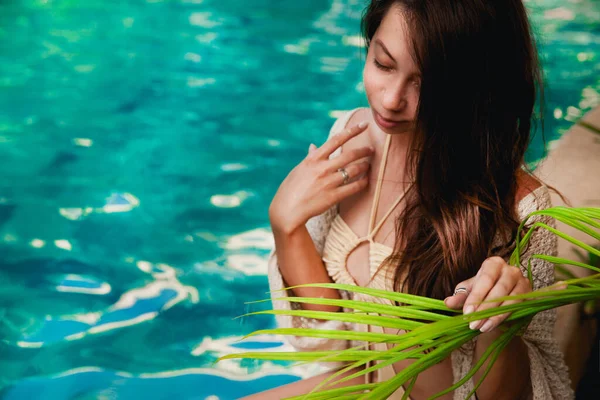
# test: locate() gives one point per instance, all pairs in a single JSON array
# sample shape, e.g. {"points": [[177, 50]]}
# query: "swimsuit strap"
{"points": [[373, 230]]}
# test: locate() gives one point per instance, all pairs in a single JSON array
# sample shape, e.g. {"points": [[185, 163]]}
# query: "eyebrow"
{"points": [[380, 43]]}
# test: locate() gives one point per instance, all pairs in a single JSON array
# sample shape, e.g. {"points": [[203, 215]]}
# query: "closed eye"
{"points": [[381, 66]]}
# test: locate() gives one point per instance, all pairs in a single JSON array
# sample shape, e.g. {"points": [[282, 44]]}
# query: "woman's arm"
{"points": [[278, 297], [300, 263], [301, 343], [509, 378], [532, 366], [296, 259]]}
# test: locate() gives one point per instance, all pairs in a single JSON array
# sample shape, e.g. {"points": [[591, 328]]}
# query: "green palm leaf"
{"points": [[433, 331]]}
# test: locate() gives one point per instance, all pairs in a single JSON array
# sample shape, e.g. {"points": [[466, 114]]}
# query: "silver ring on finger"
{"points": [[461, 290], [345, 175]]}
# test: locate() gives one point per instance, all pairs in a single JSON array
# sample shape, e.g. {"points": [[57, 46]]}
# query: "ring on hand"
{"points": [[461, 290], [345, 175]]}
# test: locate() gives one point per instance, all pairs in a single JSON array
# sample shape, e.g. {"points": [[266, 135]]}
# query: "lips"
{"points": [[387, 123], [390, 120]]}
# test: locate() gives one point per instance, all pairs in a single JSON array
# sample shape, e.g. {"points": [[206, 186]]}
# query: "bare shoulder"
{"points": [[362, 114], [526, 184]]}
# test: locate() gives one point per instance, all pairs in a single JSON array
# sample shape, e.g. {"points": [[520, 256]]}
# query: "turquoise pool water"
{"points": [[142, 143]]}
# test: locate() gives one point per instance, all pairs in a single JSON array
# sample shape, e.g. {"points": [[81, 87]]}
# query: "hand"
{"points": [[494, 279], [315, 184]]}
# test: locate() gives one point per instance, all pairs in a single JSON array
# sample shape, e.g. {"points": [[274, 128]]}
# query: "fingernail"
{"points": [[474, 324], [363, 124], [487, 326], [469, 310]]}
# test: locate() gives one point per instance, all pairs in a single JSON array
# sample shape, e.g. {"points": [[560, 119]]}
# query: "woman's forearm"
{"points": [[509, 377], [300, 263]]}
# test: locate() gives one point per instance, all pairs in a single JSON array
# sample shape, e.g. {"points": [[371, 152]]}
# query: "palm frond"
{"points": [[433, 332]]}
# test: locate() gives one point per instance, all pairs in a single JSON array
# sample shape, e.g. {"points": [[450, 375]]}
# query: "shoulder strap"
{"points": [[372, 228]]}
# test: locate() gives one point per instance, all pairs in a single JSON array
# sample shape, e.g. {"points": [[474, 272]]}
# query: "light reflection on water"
{"points": [[141, 148], [133, 307]]}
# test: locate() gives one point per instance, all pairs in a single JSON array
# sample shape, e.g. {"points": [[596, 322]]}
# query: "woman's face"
{"points": [[390, 76]]}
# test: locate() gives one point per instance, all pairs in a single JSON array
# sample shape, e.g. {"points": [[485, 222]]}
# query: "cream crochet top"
{"points": [[549, 373]]}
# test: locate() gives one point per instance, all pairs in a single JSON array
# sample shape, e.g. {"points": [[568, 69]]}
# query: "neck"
{"points": [[395, 170]]}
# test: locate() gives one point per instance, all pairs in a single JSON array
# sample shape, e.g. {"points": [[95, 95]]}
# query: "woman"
{"points": [[422, 193]]}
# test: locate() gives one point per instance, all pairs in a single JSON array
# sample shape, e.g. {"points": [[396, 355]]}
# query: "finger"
{"points": [[458, 300], [311, 148], [487, 276], [351, 188], [354, 171], [521, 287], [348, 157], [339, 139], [505, 284]]}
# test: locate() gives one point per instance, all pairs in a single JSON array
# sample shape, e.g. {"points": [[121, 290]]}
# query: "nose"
{"points": [[394, 96]]}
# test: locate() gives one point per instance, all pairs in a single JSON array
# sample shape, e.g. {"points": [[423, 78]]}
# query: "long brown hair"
{"points": [[480, 77]]}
